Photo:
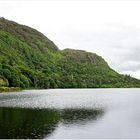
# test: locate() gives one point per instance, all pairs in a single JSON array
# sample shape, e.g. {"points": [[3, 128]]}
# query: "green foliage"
{"points": [[3, 82], [28, 59], [9, 89]]}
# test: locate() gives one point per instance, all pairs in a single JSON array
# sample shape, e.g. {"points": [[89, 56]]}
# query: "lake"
{"points": [[70, 113]]}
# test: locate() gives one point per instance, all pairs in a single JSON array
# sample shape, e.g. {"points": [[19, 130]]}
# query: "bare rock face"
{"points": [[83, 56]]}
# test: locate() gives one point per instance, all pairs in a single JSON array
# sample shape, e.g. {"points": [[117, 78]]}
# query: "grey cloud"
{"points": [[118, 44]]}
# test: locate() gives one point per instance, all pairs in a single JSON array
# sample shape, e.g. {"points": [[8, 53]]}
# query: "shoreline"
{"points": [[9, 89], [17, 89]]}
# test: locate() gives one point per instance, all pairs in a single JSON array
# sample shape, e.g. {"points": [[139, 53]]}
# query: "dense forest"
{"points": [[28, 59]]}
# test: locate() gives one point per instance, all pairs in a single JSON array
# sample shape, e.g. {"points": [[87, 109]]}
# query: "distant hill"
{"points": [[28, 59]]}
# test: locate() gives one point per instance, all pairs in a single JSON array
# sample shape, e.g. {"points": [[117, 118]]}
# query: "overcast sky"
{"points": [[109, 28]]}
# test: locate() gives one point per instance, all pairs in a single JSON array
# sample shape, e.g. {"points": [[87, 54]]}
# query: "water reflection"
{"points": [[39, 123], [79, 116], [27, 123]]}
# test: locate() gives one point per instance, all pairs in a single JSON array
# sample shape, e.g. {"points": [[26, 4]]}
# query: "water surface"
{"points": [[70, 113]]}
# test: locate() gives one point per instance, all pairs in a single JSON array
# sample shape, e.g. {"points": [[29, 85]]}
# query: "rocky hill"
{"points": [[28, 59]]}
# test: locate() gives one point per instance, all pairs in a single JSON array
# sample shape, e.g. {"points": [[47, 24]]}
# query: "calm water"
{"points": [[71, 113]]}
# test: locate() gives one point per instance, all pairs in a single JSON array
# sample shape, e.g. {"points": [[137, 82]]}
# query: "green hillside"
{"points": [[28, 59]]}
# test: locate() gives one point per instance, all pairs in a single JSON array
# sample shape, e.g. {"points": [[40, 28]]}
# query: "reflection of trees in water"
{"points": [[39, 123], [70, 116], [27, 123]]}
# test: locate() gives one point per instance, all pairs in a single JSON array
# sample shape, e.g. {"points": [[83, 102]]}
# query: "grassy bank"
{"points": [[9, 89]]}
